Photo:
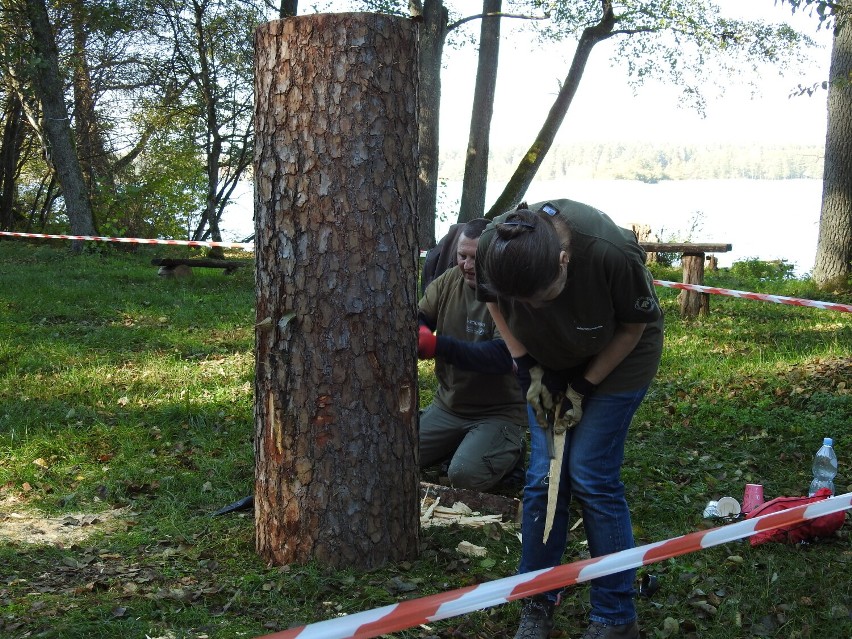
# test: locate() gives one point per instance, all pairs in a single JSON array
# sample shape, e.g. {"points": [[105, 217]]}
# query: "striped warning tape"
{"points": [[132, 240], [249, 246], [407, 614], [763, 297]]}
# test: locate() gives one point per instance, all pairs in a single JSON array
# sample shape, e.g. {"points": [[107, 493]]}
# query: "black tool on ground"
{"points": [[648, 586], [245, 503]]}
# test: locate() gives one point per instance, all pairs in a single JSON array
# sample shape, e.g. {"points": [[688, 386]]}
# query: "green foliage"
{"points": [[754, 269], [686, 43], [826, 14], [163, 193]]}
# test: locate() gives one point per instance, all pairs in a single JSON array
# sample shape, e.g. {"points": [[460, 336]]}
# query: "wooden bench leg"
{"points": [[692, 303]]}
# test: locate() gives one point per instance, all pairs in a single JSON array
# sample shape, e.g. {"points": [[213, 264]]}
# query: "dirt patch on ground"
{"points": [[21, 524]]}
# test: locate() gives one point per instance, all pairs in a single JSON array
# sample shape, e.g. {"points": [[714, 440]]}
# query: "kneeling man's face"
{"points": [[466, 256]]}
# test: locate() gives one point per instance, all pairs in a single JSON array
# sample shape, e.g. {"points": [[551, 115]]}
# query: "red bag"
{"points": [[807, 530]]}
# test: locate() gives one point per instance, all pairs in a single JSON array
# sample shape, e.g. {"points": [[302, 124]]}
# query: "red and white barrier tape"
{"points": [[132, 240], [414, 612], [762, 297], [249, 246]]}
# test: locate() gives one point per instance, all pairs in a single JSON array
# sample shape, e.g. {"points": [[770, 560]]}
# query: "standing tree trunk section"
{"points": [[693, 303], [336, 475]]}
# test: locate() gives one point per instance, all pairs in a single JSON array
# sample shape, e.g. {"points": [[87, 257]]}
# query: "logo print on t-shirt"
{"points": [[645, 304], [475, 327]]}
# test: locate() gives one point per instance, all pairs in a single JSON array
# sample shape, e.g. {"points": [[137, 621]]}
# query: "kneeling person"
{"points": [[477, 419]]}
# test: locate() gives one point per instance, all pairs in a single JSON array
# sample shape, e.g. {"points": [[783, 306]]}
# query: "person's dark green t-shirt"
{"points": [[451, 305], [607, 284]]}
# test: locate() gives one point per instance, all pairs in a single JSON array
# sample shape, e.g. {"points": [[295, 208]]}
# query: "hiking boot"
{"points": [[536, 619], [598, 630]]}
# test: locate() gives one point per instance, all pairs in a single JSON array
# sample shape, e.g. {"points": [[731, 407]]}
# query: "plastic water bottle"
{"points": [[825, 467]]}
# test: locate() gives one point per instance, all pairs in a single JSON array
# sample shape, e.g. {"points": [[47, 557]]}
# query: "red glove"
{"points": [[426, 343]]}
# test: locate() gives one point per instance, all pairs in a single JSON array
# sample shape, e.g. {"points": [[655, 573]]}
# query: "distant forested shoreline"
{"points": [[649, 162]]}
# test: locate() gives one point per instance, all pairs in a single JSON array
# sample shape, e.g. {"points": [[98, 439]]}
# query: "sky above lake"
{"points": [[605, 107]]}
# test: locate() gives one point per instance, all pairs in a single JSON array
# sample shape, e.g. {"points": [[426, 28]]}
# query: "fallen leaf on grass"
{"points": [[470, 550], [397, 585], [671, 627]]}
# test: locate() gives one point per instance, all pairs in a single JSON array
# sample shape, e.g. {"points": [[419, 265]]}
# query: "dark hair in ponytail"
{"points": [[523, 257]]}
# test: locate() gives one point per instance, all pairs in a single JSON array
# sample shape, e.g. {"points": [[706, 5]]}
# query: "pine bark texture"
{"points": [[336, 268], [833, 264]]}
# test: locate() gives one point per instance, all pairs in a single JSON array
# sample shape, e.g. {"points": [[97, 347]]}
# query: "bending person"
{"points": [[575, 303]]}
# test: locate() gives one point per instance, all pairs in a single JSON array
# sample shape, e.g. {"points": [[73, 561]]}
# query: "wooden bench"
{"points": [[169, 264], [692, 303]]}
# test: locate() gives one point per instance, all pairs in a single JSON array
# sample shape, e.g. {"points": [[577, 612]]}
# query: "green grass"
{"points": [[124, 393]]}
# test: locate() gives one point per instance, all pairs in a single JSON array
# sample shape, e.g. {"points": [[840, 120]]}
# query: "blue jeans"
{"points": [[591, 474]]}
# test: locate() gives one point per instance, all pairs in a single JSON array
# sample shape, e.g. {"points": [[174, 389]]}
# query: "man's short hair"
{"points": [[474, 228]]}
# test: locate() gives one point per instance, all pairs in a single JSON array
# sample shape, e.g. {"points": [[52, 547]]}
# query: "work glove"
{"points": [[426, 343], [540, 398], [570, 403]]}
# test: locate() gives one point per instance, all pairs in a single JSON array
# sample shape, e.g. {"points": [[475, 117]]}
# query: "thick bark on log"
{"points": [[336, 269]]}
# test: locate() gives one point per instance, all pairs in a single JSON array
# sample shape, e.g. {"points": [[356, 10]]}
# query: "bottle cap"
{"points": [[728, 507], [828, 441]]}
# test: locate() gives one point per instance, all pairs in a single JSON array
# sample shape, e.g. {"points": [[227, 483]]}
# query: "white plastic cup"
{"points": [[728, 507]]}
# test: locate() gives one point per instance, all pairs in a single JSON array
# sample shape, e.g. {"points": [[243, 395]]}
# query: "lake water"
{"points": [[764, 219]]}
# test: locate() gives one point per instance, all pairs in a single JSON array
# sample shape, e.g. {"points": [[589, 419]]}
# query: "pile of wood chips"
{"points": [[432, 513]]}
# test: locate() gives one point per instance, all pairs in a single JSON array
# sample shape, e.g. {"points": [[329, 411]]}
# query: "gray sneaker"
{"points": [[598, 630], [536, 619]]}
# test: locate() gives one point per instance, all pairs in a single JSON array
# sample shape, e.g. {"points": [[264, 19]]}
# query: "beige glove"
{"points": [[569, 417], [539, 396]]}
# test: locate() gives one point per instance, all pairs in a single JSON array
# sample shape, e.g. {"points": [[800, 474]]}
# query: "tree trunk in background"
{"points": [[288, 8], [517, 185], [833, 265], [336, 399], [692, 303], [476, 162], [206, 85], [433, 32], [62, 155], [91, 150], [11, 141]]}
